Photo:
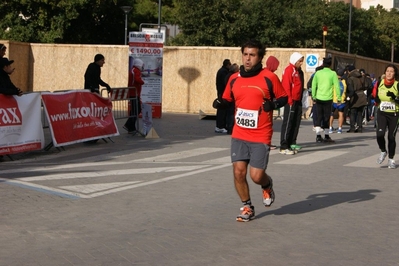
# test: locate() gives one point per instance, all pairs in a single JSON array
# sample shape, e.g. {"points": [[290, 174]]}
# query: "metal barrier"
{"points": [[122, 103]]}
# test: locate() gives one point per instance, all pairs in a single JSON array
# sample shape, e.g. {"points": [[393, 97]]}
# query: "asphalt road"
{"points": [[171, 201]]}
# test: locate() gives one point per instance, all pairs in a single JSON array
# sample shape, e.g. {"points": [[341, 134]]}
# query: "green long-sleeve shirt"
{"points": [[324, 82]]}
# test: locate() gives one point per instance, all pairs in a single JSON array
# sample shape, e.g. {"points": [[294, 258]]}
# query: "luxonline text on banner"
{"points": [[78, 116]]}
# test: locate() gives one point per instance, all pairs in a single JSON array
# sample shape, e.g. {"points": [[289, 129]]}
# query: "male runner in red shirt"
{"points": [[256, 92]]}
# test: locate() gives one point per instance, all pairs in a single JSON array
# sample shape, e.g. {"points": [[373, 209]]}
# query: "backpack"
{"points": [[309, 84], [341, 86]]}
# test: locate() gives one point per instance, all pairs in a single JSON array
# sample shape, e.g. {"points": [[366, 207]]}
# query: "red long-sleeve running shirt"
{"points": [[252, 123]]}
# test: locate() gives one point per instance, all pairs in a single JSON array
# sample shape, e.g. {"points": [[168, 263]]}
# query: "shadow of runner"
{"points": [[320, 201]]}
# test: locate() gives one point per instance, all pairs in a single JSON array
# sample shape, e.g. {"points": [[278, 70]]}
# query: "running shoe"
{"points": [[381, 158], [295, 147], [319, 139], [331, 130], [268, 194], [220, 130], [327, 139], [287, 151], [339, 131], [391, 164], [247, 214]]}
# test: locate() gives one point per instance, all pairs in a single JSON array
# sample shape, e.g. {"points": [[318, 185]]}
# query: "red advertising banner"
{"points": [[78, 116], [20, 126]]}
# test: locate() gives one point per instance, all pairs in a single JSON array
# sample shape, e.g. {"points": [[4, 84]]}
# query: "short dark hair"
{"points": [[98, 57], [226, 62], [254, 44]]}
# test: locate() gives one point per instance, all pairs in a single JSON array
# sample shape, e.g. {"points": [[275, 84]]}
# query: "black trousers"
{"points": [[323, 109], [291, 123], [356, 117], [135, 110], [221, 116], [389, 121]]}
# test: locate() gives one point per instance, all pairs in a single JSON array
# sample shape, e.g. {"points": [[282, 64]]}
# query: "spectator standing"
{"points": [[234, 68], [93, 75], [272, 64], [293, 85], [313, 112], [221, 114], [387, 96], [339, 105], [135, 80], [356, 92], [324, 82], [368, 87], [6, 85], [3, 50], [253, 90]]}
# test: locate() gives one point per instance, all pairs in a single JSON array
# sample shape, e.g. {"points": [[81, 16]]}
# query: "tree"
{"points": [[277, 23], [36, 21], [386, 31], [74, 21]]}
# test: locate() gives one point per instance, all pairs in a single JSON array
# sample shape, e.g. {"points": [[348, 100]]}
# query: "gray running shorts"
{"points": [[257, 154]]}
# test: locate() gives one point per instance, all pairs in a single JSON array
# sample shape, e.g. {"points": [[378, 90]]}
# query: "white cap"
{"points": [[138, 63], [295, 57]]}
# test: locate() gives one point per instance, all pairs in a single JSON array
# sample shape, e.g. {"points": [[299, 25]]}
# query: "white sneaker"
{"points": [[391, 164], [287, 151], [220, 130], [381, 158]]}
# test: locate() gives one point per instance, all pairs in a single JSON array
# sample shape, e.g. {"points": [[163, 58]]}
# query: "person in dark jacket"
{"points": [[3, 50], [358, 99], [6, 85], [221, 114], [93, 75], [93, 79], [234, 68]]}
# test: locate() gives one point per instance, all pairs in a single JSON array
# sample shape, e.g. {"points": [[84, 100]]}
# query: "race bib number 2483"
{"points": [[247, 118]]}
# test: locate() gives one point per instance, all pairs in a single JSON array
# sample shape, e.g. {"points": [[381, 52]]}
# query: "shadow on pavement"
{"points": [[320, 201]]}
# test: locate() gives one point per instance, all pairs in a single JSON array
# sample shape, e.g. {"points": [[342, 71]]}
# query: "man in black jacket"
{"points": [[6, 85], [221, 114], [93, 75]]}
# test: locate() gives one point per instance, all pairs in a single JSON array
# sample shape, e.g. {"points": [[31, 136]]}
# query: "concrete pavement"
{"points": [[171, 201]]}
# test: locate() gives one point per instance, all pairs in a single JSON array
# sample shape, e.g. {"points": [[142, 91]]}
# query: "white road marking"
{"points": [[226, 159], [40, 188], [180, 155], [111, 173], [369, 162], [155, 181], [313, 157], [159, 158], [62, 192], [90, 188]]}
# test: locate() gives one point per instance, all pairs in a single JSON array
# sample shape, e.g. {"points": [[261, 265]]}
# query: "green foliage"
{"points": [[277, 23], [75, 21]]}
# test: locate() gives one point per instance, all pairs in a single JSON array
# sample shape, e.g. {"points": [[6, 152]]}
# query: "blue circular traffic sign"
{"points": [[311, 60]]}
